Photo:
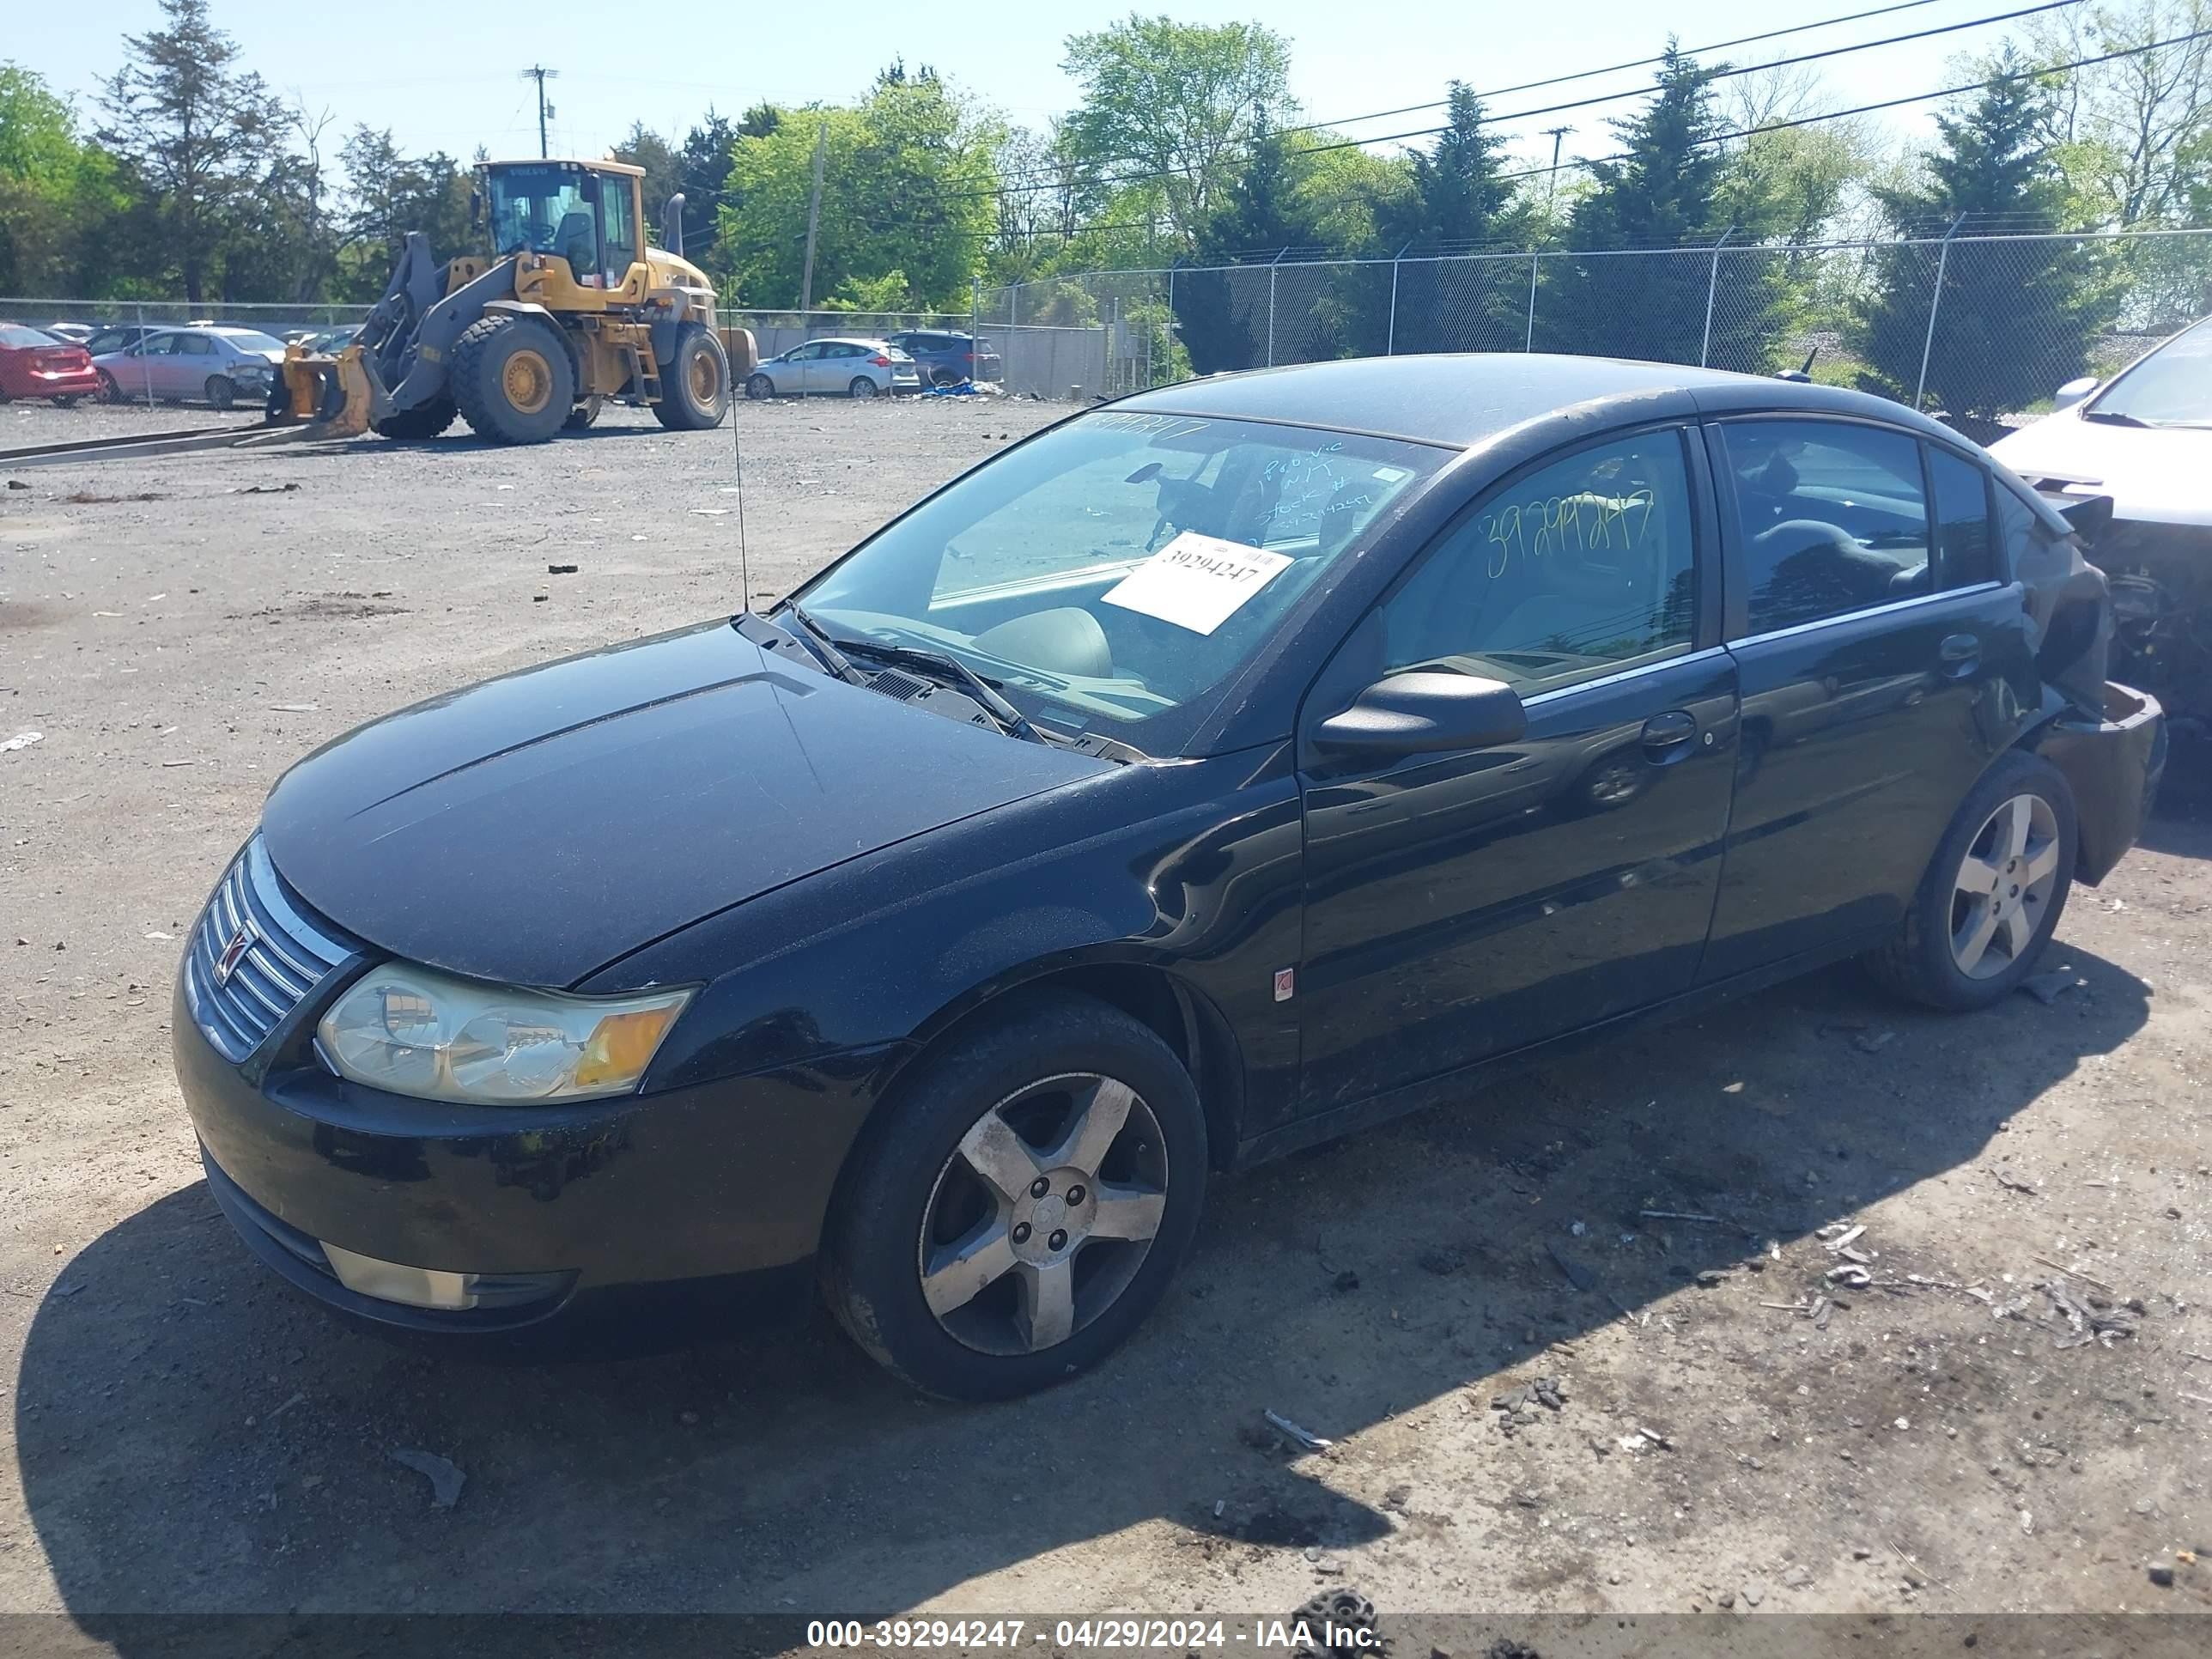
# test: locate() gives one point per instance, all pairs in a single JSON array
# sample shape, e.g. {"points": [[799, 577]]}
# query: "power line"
{"points": [[1803, 121], [1726, 72], [1615, 69]]}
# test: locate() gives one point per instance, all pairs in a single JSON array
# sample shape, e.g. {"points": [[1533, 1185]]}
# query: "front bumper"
{"points": [[655, 1216], [2113, 766]]}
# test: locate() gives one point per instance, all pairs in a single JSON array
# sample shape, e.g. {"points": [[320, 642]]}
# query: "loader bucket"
{"points": [[334, 391]]}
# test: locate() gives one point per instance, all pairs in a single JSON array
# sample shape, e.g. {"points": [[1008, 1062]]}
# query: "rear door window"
{"points": [[1966, 543], [1832, 517]]}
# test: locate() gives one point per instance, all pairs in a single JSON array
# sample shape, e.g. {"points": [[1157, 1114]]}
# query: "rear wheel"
{"points": [[512, 378], [695, 381], [1021, 1211], [1993, 893], [862, 387], [222, 391], [581, 416], [942, 376], [425, 420]]}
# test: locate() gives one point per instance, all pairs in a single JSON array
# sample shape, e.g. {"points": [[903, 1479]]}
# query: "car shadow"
{"points": [[193, 1437]]}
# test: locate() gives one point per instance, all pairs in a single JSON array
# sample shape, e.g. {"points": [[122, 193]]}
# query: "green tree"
{"points": [[391, 194], [1181, 102], [644, 147], [908, 185], [1662, 194], [1458, 201], [56, 193], [703, 172], [197, 128], [2014, 318]]}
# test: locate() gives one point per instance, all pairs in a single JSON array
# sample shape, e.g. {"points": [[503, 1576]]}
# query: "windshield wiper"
{"points": [[1010, 719], [823, 645], [2112, 417]]}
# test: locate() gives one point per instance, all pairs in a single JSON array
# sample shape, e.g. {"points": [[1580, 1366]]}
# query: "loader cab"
{"points": [[588, 214]]}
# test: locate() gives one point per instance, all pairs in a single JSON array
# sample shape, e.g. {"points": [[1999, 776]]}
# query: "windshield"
{"points": [[2173, 386], [1112, 572], [14, 334], [547, 208]]}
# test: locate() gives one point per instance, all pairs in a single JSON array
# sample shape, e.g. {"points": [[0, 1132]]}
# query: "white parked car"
{"points": [[838, 368], [2144, 439]]}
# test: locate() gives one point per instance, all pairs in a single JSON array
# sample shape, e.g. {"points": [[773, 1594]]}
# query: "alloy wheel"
{"points": [[1043, 1214], [2003, 886]]}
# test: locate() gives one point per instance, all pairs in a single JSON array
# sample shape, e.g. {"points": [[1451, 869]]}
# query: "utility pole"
{"points": [[813, 216], [1552, 184], [540, 73]]}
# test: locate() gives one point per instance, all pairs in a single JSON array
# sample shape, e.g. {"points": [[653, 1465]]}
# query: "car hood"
{"points": [[533, 829], [2154, 475]]}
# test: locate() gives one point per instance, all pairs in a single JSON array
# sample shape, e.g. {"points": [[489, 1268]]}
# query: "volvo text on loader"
{"points": [[569, 307]]}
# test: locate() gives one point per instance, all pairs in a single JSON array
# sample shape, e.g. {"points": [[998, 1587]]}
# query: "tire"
{"points": [[109, 392], [760, 388], [911, 1188], [512, 380], [425, 420], [2017, 825], [942, 376], [695, 381], [221, 390], [581, 416], [862, 387]]}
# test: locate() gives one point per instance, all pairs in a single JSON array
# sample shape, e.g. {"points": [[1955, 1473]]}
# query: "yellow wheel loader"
{"points": [[567, 309]]}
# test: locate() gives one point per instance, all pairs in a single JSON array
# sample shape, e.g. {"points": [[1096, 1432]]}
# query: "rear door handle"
{"points": [[1665, 734], [1959, 652]]}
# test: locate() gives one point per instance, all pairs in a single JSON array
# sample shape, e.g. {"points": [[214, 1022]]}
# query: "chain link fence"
{"points": [[1985, 328]]}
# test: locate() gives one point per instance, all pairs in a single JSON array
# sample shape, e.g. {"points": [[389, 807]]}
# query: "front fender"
{"points": [[1190, 869]]}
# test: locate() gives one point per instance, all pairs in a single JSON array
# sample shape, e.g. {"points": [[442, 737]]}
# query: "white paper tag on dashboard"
{"points": [[1196, 581]]}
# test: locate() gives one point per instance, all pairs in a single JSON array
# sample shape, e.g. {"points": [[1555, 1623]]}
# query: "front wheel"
{"points": [[862, 387], [760, 388], [221, 393], [512, 378], [1993, 893], [1022, 1211], [109, 392], [695, 381]]}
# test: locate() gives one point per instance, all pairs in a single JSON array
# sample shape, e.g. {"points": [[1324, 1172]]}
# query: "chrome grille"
{"points": [[252, 956]]}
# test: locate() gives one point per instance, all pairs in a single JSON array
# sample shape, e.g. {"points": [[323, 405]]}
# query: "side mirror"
{"points": [[1425, 713], [2074, 391]]}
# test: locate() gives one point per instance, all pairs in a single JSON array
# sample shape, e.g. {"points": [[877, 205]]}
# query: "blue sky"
{"points": [[446, 76]]}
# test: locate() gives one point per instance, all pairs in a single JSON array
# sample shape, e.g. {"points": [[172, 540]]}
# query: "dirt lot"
{"points": [[182, 1434]]}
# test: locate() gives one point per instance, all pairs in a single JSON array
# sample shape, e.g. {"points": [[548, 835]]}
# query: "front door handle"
{"points": [[1959, 653], [1664, 734]]}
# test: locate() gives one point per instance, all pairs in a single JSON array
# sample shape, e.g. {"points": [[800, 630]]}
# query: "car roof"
{"points": [[1462, 400], [841, 339]]}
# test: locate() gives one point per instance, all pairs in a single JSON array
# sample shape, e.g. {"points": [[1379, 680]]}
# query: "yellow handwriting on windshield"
{"points": [[1586, 523]]}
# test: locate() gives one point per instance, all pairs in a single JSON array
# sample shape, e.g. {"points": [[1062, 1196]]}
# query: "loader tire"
{"points": [[695, 382], [425, 420], [512, 380]]}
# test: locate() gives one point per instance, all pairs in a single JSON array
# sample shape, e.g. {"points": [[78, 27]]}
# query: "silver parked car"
{"points": [[218, 365], [840, 368]]}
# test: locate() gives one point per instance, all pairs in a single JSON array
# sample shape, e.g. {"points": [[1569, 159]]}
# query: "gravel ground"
{"points": [[182, 1434]]}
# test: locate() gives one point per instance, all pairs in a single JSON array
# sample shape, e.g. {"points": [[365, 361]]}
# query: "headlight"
{"points": [[415, 1031]]}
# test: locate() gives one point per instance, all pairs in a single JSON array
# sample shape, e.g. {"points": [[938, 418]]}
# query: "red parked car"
{"points": [[34, 364]]}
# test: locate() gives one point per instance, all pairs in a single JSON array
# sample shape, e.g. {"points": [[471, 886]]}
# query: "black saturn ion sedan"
{"points": [[1211, 774]]}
